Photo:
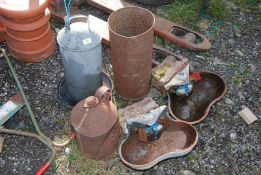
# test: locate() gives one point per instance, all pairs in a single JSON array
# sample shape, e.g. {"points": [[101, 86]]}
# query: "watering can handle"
{"points": [[81, 18], [103, 94]]}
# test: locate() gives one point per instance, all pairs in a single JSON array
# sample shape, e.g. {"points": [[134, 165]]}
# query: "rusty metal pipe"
{"points": [[131, 40]]}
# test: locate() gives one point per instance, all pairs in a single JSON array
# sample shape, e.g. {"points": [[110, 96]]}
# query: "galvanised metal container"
{"points": [[81, 53], [131, 36], [96, 125]]}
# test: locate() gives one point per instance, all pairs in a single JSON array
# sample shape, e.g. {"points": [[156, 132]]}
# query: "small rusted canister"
{"points": [[131, 36], [96, 125]]}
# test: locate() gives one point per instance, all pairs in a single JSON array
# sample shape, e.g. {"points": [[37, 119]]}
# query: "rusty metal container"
{"points": [[2, 32], [131, 34], [29, 35], [96, 124], [32, 51]]}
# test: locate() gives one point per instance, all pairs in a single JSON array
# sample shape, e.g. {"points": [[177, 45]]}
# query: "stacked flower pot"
{"points": [[28, 33], [2, 32]]}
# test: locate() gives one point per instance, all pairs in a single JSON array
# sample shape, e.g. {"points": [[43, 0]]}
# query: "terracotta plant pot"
{"points": [[27, 26], [29, 35], [177, 139], [195, 107], [30, 40], [34, 56], [22, 10], [2, 32], [32, 51]]}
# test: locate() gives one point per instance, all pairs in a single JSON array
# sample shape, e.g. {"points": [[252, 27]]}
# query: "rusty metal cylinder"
{"points": [[131, 42]]}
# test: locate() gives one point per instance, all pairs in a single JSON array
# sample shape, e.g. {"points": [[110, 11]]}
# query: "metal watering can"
{"points": [[81, 53]]}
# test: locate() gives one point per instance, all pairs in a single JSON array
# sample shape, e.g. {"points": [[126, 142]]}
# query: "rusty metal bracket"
{"points": [[164, 28]]}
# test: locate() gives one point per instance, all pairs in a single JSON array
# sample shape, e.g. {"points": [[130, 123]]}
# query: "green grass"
{"points": [[160, 41], [187, 12], [218, 9], [182, 12], [80, 165]]}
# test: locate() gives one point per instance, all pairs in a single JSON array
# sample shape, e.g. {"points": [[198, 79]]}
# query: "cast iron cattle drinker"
{"points": [[177, 139], [195, 107]]}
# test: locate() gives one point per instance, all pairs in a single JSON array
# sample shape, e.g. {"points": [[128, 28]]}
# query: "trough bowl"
{"points": [[177, 139], [195, 107]]}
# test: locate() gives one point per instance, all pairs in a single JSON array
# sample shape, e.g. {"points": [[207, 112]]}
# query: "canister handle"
{"points": [[91, 102], [103, 94], [81, 18]]}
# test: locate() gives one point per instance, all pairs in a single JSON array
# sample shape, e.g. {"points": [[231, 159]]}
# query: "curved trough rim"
{"points": [[173, 154], [207, 109], [135, 36]]}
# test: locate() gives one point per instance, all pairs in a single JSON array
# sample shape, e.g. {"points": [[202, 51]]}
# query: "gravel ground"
{"points": [[227, 145]]}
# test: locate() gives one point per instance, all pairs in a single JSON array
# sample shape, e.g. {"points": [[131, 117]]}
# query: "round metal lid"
{"points": [[23, 9], [78, 38], [94, 121]]}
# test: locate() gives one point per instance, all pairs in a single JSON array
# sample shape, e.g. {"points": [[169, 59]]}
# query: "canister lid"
{"points": [[78, 38], [94, 119]]}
